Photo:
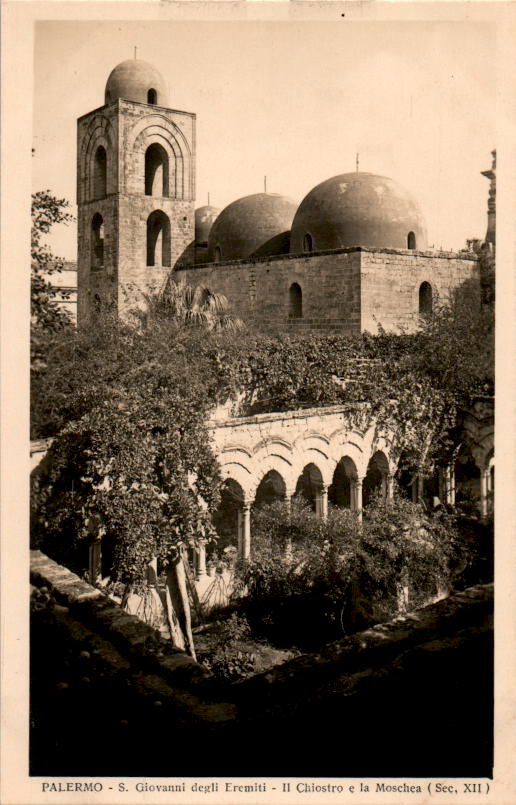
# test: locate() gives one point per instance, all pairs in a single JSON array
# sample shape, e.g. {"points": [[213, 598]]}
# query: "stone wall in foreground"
{"points": [[408, 698]]}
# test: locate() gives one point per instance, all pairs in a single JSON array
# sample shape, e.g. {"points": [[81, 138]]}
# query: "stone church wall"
{"points": [[258, 290], [390, 282], [346, 291]]}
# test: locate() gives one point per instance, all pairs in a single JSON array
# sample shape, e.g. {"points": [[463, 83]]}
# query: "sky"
{"points": [[292, 100]]}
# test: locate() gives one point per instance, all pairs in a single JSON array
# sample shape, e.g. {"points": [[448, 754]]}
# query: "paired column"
{"points": [[321, 502], [484, 491], [244, 531], [448, 484], [96, 531], [417, 488], [356, 497], [201, 559], [388, 487]]}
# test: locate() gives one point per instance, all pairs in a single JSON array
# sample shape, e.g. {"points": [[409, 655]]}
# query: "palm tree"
{"points": [[194, 307]]}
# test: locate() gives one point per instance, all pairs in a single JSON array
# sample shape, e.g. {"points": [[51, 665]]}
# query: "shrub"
{"points": [[227, 659], [310, 580]]}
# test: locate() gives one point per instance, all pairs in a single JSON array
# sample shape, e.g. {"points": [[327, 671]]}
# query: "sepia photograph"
{"points": [[263, 257]]}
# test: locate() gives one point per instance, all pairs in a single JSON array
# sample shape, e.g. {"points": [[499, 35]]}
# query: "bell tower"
{"points": [[135, 192]]}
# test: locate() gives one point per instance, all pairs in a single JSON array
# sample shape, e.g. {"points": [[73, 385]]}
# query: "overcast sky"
{"points": [[294, 101]]}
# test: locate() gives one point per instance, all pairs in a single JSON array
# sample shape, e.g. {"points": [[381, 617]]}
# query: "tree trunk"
{"points": [[179, 609]]}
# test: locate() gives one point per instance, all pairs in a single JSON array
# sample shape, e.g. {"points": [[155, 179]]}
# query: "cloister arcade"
{"points": [[318, 454]]}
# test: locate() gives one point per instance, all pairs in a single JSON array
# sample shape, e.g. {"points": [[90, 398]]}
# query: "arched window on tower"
{"points": [[156, 171], [218, 254], [295, 302], [158, 239], [97, 241], [308, 243], [425, 299], [99, 173], [411, 240], [152, 96]]}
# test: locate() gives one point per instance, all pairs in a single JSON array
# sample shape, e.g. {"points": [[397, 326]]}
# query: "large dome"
{"points": [[204, 218], [135, 80], [254, 226], [358, 209]]}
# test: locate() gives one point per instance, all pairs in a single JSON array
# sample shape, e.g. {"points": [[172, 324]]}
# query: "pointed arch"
{"points": [[158, 239], [156, 171], [97, 241], [295, 301], [425, 299], [100, 173]]}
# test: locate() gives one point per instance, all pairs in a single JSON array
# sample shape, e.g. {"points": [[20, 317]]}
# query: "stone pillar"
{"points": [[321, 502], [449, 484], [95, 559], [244, 531], [390, 487], [484, 488], [356, 497], [201, 559], [152, 572], [442, 485], [417, 489]]}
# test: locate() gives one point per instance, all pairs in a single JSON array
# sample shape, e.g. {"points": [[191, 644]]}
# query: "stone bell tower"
{"points": [[135, 191]]}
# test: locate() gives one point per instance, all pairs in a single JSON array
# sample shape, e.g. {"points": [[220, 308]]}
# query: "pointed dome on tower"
{"points": [[136, 80]]}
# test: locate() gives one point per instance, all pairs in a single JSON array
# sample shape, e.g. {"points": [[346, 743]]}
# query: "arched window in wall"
{"points": [[308, 243], [97, 241], [100, 173], [158, 239], [218, 254], [152, 96], [295, 301], [411, 240], [156, 171], [425, 299]]}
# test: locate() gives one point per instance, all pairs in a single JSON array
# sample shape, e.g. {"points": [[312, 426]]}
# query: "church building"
{"points": [[351, 257]]}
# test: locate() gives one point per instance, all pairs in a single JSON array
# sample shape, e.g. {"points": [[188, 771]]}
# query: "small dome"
{"points": [[358, 209], [253, 226], [135, 80], [204, 218]]}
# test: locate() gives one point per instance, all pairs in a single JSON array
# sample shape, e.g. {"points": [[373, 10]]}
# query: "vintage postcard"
{"points": [[251, 533]]}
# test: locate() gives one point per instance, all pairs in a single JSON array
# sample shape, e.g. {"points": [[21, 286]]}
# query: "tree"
{"points": [[46, 211], [46, 316], [193, 307], [133, 456]]}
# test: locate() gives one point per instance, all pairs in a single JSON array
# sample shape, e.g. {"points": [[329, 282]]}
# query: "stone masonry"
{"points": [[125, 130], [347, 290]]}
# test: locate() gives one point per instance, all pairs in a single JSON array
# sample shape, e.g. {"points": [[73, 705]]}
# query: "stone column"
{"points": [[417, 489], [449, 484], [152, 572], [442, 485], [289, 494], [201, 559], [484, 488], [356, 497], [390, 487], [95, 559], [321, 502], [244, 531]]}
